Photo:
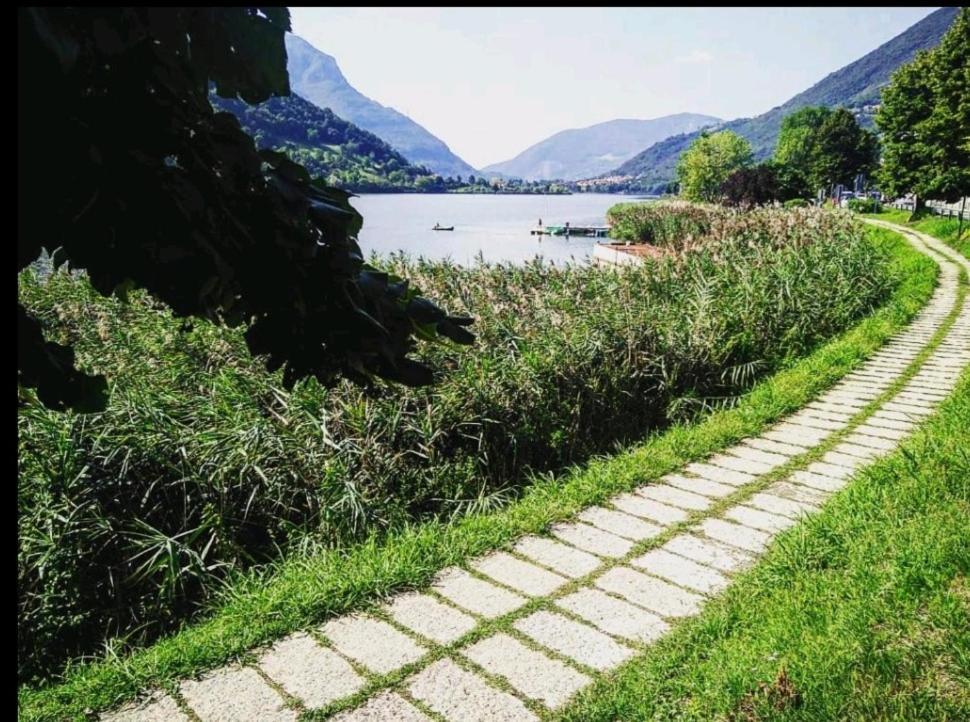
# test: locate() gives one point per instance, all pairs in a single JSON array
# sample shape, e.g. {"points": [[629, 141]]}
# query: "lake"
{"points": [[495, 226]]}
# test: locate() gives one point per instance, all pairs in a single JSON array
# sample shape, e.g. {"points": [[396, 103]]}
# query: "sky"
{"points": [[490, 82]]}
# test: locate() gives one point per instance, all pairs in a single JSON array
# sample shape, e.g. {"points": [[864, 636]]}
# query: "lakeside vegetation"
{"points": [[306, 589], [203, 465]]}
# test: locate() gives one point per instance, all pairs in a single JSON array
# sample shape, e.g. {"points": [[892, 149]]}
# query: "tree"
{"points": [[924, 118], [796, 150], [749, 187], [844, 149], [707, 163], [818, 147], [127, 171]]}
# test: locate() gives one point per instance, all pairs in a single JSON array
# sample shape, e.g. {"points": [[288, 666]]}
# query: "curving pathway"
{"points": [[517, 633]]}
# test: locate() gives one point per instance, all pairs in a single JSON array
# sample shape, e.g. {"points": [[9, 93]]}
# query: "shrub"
{"points": [[863, 205], [749, 187], [796, 203], [669, 224]]}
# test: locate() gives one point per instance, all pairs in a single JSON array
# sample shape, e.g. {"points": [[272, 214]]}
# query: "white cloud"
{"points": [[695, 57]]}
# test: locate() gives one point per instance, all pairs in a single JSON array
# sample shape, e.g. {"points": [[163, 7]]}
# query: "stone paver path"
{"points": [[569, 607]]}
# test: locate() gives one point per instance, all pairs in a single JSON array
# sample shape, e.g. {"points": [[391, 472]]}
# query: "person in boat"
{"points": [[540, 223]]}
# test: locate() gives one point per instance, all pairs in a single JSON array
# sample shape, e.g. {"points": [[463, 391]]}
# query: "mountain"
{"points": [[856, 86], [327, 145], [586, 152], [315, 76]]}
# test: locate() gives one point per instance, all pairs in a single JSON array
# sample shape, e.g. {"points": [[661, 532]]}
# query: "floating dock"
{"points": [[587, 231], [623, 254]]}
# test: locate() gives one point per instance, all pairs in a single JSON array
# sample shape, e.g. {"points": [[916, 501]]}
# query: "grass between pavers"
{"points": [[860, 612], [307, 591], [944, 229]]}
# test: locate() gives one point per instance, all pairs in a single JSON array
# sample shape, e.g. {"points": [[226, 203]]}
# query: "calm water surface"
{"points": [[495, 226]]}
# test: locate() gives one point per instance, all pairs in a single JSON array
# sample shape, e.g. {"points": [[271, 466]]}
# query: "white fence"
{"points": [[940, 208]]}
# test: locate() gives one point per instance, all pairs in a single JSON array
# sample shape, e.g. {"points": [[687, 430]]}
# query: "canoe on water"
{"points": [[443, 228]]}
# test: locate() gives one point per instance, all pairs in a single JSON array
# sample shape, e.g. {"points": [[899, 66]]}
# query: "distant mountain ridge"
{"points": [[855, 86], [316, 76], [585, 152], [325, 144]]}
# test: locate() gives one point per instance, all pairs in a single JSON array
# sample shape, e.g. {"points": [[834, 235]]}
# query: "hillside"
{"points": [[327, 145], [316, 76], [584, 152], [855, 86]]}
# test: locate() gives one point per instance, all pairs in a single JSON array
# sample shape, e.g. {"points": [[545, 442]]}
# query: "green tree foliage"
{"points": [[797, 148], [128, 172], [818, 147], [925, 120], [749, 187], [844, 150], [708, 162]]}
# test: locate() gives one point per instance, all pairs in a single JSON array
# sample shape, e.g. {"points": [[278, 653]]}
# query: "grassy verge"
{"points": [[939, 227], [305, 591], [858, 613]]}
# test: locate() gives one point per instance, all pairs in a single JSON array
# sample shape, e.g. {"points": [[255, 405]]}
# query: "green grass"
{"points": [[305, 591], [945, 229], [859, 613]]}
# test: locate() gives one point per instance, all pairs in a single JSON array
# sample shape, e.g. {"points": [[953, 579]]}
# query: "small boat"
{"points": [[442, 228]]}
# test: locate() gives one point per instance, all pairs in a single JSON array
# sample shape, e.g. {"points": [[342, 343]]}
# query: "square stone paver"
{"points": [[780, 505], [680, 570], [797, 492], [579, 642], [747, 466], [736, 535], [591, 539], [864, 453], [566, 560], [817, 481], [882, 432], [836, 471], [849, 463], [766, 457], [616, 522], [462, 696], [372, 642], [430, 618], [775, 447], [235, 694], [653, 594], [475, 595], [385, 707], [758, 519], [157, 707], [614, 616], [697, 485], [314, 675], [533, 674], [720, 474], [674, 497], [707, 551], [648, 509], [521, 576]]}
